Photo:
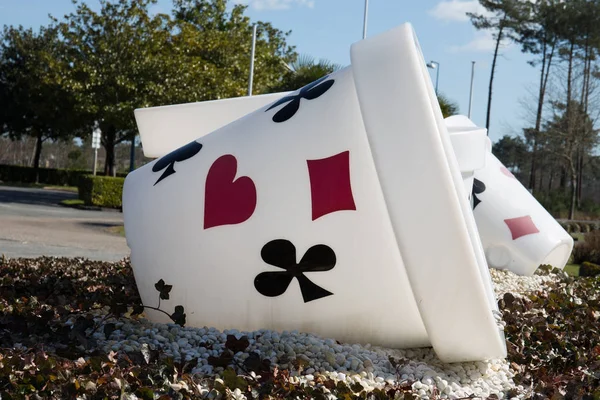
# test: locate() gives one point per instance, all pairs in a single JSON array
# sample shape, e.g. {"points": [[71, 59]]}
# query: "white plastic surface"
{"points": [[212, 270], [404, 122], [166, 128], [388, 283], [515, 229]]}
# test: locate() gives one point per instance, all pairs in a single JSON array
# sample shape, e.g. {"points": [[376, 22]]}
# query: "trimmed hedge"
{"points": [[589, 269], [580, 227], [101, 191], [49, 176]]}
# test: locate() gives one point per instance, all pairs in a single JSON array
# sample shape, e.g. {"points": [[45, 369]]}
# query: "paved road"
{"points": [[32, 224]]}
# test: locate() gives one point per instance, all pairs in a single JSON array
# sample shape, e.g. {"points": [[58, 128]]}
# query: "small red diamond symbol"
{"points": [[506, 172], [521, 226]]}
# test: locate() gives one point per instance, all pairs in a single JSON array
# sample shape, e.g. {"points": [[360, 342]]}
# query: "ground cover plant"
{"points": [[50, 309]]}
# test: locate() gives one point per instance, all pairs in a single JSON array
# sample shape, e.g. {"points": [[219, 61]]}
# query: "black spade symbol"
{"points": [[281, 253], [478, 188], [168, 161], [308, 92]]}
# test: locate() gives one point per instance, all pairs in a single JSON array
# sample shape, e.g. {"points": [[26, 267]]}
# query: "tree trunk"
{"points": [[497, 47], [544, 72], [573, 189], [108, 141], [579, 178], [570, 88], [570, 133], [36, 158], [585, 96]]}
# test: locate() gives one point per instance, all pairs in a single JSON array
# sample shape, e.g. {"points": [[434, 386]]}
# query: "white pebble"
{"points": [[353, 363]]}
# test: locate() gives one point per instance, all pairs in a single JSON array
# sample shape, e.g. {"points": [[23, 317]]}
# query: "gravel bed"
{"points": [[508, 282], [365, 364]]}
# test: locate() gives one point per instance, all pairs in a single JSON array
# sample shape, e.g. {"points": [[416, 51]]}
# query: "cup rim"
{"points": [[436, 283]]}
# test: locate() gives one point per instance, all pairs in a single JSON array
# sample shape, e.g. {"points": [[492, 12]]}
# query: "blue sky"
{"points": [[327, 28]]}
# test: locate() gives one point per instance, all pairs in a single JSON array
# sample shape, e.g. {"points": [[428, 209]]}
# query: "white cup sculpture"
{"points": [[516, 230], [339, 209]]}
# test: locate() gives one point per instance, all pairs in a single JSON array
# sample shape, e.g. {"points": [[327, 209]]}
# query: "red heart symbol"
{"points": [[227, 200]]}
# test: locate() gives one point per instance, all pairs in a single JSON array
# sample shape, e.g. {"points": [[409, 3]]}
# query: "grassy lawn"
{"points": [[117, 230], [72, 202], [572, 269], [72, 189], [578, 237]]}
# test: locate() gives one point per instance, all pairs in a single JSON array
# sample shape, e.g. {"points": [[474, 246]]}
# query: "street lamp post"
{"points": [[96, 138], [365, 19], [251, 78], [435, 65], [471, 92]]}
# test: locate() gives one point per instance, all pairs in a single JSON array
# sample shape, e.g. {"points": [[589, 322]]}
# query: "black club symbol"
{"points": [[168, 161], [281, 253], [308, 92], [478, 188]]}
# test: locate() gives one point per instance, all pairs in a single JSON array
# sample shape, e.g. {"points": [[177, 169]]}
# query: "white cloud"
{"points": [[456, 10], [277, 4], [483, 42]]}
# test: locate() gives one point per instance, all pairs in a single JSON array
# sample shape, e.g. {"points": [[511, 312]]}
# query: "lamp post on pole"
{"points": [[96, 134], [252, 60], [471, 92], [365, 19], [132, 154], [435, 65]]}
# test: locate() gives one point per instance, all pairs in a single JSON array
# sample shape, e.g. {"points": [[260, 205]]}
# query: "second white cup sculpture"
{"points": [[516, 230], [338, 209]]}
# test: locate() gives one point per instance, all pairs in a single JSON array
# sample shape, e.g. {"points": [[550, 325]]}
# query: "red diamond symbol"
{"points": [[521, 226], [330, 186]]}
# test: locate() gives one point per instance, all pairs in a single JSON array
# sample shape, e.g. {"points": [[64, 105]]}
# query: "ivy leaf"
{"points": [[233, 381], [164, 289], [223, 361], [118, 309], [145, 393], [137, 310], [109, 329], [179, 316], [237, 345], [252, 362]]}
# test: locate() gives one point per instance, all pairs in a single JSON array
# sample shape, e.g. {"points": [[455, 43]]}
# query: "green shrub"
{"points": [[567, 227], [556, 202], [589, 250], [49, 176], [589, 269], [102, 191]]}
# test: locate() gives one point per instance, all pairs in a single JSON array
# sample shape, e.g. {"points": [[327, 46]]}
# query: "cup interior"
{"points": [[559, 255]]}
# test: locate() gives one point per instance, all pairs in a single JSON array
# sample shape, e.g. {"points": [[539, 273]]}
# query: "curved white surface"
{"points": [[388, 286], [404, 125], [516, 231], [212, 270], [166, 128], [510, 217]]}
